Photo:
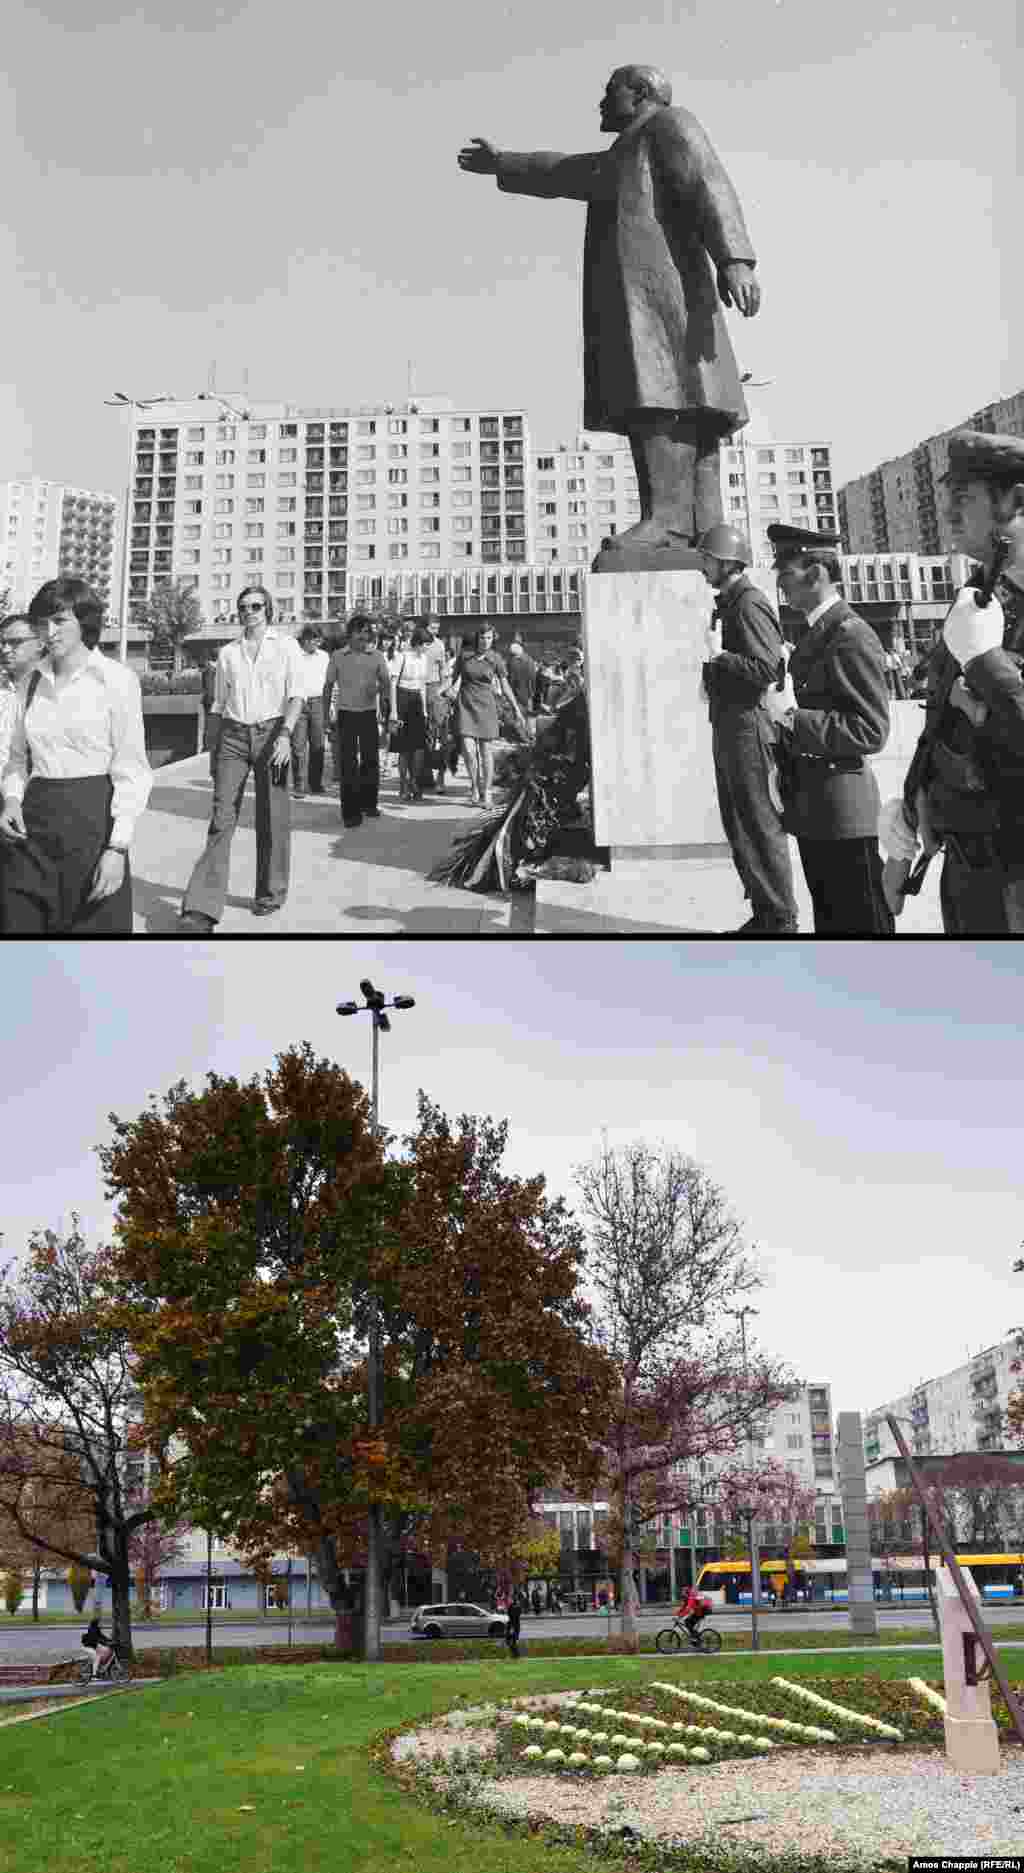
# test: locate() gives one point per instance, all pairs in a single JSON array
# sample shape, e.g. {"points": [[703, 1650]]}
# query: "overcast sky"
{"points": [[858, 1103], [277, 190]]}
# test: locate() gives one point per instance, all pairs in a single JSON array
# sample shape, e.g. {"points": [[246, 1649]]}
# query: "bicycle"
{"points": [[116, 1670], [672, 1638]]}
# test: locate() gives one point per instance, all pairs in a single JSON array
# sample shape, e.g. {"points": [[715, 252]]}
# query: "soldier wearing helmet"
{"points": [[746, 649]]}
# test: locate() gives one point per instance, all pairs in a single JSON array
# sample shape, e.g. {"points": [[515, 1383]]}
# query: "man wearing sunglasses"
{"points": [[258, 693]]}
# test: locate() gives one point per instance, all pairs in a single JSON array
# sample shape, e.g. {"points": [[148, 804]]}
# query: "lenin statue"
{"points": [[658, 364]]}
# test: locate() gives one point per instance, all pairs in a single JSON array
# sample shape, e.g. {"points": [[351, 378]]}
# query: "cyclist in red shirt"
{"points": [[693, 1609]]}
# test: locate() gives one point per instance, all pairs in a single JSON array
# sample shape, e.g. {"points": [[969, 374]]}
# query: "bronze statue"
{"points": [[658, 364]]}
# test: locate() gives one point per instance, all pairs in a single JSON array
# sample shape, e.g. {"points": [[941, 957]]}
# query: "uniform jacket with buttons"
{"points": [[842, 717], [751, 649]]}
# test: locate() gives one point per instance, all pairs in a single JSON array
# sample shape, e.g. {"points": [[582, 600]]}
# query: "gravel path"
{"points": [[846, 1803]]}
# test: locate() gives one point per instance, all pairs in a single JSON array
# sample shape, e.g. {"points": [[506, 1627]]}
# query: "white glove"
{"points": [[779, 702], [713, 638], [894, 835], [971, 629]]}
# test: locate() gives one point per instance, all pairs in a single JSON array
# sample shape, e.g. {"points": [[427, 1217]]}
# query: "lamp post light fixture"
{"points": [[374, 1003], [120, 402], [740, 1314]]}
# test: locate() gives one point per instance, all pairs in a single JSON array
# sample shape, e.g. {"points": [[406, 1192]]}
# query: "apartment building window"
{"points": [[488, 425], [254, 530], [462, 423], [574, 485], [606, 507], [430, 549], [577, 530], [193, 435], [765, 457], [365, 501], [193, 507], [545, 462], [429, 451], [284, 579], [366, 452], [427, 500], [550, 533], [287, 455], [222, 531], [369, 475], [224, 457], [462, 474], [606, 484], [190, 556], [366, 429], [365, 552], [398, 477], [285, 555], [398, 526], [366, 526], [737, 503], [254, 505], [397, 426], [460, 498], [794, 455], [253, 555], [796, 478], [193, 458], [286, 529], [606, 461], [465, 551], [769, 503], [224, 481], [398, 500], [462, 523], [191, 533], [546, 487], [766, 481], [194, 481], [429, 426], [577, 507], [398, 451], [287, 503], [431, 476], [547, 507], [219, 580], [253, 455], [460, 450]]}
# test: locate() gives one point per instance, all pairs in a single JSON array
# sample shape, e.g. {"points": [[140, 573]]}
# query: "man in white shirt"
{"points": [[256, 704], [21, 646], [76, 778], [309, 729]]}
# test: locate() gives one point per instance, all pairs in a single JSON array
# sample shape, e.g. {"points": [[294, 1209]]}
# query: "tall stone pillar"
{"points": [[853, 1490]]}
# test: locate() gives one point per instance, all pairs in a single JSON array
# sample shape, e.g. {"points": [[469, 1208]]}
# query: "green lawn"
{"points": [[266, 1768]]}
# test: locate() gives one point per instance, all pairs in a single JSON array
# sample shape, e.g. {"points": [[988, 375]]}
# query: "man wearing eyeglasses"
{"points": [[21, 646], [258, 693]]}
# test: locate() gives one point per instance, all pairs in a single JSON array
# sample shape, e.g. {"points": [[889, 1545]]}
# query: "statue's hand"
{"points": [[480, 157], [737, 286]]}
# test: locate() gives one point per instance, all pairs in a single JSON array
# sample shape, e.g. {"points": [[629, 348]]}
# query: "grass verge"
{"points": [[284, 1767]]}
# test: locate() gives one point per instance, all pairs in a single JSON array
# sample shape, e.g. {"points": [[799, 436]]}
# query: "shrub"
{"points": [[13, 1592]]}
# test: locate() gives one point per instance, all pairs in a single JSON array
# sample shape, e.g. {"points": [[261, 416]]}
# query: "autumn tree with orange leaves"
{"points": [[252, 1221], [66, 1416]]}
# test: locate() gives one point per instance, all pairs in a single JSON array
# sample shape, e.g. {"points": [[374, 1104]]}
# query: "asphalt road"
{"points": [[52, 1642]]}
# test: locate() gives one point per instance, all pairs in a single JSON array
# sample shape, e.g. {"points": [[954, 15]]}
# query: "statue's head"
{"points": [[630, 90]]}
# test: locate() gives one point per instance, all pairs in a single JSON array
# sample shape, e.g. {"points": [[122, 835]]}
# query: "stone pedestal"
{"points": [[972, 1741], [853, 1490], [653, 778]]}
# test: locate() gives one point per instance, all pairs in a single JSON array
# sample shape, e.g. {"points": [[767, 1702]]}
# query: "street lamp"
{"points": [[120, 402], [374, 1003], [740, 1314]]}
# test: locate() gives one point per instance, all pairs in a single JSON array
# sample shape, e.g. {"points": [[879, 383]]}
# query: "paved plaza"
{"points": [[373, 879]]}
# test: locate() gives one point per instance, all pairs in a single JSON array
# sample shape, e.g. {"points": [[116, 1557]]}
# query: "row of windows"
{"points": [[392, 426]]}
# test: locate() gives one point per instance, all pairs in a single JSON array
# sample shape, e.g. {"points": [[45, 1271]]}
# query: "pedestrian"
{"points": [[256, 704], [409, 704], [479, 677], [964, 790], [22, 645], [512, 1626], [535, 1601], [522, 672], [437, 707], [211, 727], [361, 675], [76, 779], [308, 733], [746, 649], [833, 710]]}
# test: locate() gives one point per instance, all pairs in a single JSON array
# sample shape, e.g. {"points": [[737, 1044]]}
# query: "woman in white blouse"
{"points": [[76, 779], [409, 704]]}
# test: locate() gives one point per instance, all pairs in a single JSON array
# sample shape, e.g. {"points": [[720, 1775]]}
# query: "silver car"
{"points": [[457, 1619]]}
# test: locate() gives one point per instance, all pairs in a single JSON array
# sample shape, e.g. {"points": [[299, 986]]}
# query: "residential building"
{"points": [[900, 506], [48, 529], [301, 499], [958, 1411]]}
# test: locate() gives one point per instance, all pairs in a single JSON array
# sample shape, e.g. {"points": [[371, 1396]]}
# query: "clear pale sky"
{"points": [[858, 1103], [277, 189]]}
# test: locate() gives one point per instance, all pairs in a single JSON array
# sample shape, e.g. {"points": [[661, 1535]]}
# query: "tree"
{"points": [[13, 1592], [665, 1257], [65, 1387], [253, 1222], [152, 1546], [172, 613], [769, 1492], [1014, 1420], [80, 1582]]}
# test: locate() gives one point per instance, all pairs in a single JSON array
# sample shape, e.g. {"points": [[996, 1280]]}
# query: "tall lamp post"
{"points": [[120, 402], [740, 1314], [374, 1003]]}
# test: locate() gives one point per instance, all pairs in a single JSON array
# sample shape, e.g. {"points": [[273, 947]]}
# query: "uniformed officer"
{"points": [[746, 650], [964, 791], [833, 709]]}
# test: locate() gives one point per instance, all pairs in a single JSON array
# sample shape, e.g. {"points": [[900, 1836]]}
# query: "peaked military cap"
{"points": [[975, 455], [789, 542]]}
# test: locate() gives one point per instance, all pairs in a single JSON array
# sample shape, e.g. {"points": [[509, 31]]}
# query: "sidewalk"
{"points": [[373, 879], [369, 880]]}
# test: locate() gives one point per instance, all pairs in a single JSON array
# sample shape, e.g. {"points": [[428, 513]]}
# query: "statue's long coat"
{"points": [[659, 203]]}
